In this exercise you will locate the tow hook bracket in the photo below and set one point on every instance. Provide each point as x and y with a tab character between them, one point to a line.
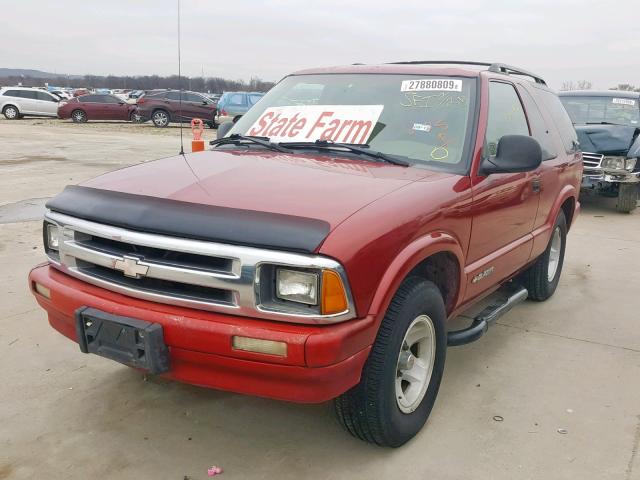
486	317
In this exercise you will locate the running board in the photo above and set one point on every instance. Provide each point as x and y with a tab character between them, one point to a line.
481	322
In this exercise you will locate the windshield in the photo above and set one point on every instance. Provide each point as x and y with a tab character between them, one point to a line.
425	119
584	110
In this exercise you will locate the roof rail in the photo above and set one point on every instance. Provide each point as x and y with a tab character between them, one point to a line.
493	67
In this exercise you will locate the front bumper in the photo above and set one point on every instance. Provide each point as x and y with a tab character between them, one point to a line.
598	178
322	362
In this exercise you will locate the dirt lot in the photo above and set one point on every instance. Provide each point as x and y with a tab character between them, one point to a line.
571	363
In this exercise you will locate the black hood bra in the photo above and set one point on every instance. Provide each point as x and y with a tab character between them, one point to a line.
191	220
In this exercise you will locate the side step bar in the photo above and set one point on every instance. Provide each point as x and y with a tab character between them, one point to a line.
481	323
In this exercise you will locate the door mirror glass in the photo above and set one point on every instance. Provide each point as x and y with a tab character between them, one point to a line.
515	153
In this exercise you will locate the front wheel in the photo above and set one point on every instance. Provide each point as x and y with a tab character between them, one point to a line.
627	197
541	279
78	116
401	377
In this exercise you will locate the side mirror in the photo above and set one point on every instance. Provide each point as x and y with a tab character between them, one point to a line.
204	102
516	153
224	128
120	103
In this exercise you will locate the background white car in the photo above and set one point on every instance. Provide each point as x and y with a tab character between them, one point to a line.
15	102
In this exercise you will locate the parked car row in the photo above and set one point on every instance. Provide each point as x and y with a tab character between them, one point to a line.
161	107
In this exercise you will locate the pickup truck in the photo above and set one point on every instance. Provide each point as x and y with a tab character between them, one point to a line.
318	250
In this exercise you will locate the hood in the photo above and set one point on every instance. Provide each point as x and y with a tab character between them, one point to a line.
609	139
251	198
320	187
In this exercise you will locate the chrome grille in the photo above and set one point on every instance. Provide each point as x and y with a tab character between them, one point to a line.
591	160
178	271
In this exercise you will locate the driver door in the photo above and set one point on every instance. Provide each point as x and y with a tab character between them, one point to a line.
504	204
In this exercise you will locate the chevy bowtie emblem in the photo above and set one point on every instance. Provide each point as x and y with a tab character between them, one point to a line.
131	267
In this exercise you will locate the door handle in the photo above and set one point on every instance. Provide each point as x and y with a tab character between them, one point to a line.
536	184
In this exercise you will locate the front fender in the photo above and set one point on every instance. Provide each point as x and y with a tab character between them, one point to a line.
407	260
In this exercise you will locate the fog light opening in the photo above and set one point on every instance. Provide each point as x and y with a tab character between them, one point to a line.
42	290
258	345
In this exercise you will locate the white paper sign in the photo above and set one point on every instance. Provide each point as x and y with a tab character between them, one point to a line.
624	101
308	123
431	84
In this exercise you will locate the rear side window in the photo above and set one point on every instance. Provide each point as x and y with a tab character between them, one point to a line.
172	96
90	99
539	129
12	93
236	99
506	116
31	94
110	99
552	103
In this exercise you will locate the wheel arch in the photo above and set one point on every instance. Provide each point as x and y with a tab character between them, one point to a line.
437	257
566	201
4	107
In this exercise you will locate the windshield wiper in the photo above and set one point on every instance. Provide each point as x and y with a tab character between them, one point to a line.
359	149
604	123
238	139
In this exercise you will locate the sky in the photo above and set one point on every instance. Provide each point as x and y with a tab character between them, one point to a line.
560	40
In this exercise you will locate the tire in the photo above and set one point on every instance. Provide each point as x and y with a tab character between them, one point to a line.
160	118
78	116
627	197
379	410
11	112
135	118
541	279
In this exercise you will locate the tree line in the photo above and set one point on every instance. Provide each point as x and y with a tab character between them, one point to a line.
146	82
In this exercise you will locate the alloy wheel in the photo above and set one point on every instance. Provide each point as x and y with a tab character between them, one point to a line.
415	364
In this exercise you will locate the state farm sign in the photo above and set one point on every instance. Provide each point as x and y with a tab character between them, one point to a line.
308	123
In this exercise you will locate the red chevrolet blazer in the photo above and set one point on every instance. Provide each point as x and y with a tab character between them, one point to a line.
317	251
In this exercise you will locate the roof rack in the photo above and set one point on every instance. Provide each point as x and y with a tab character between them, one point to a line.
493	67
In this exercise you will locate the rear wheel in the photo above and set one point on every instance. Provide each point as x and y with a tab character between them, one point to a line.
627	197
401	378
11	113
160	118
78	116
541	279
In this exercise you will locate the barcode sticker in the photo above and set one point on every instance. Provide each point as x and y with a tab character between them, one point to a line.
431	84
624	101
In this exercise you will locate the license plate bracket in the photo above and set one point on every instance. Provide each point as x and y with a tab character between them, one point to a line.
130	341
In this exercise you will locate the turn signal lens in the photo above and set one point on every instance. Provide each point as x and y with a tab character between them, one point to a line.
42	290
258	345
334	297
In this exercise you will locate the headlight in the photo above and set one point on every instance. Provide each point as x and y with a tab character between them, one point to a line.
297	286
302	291
630	164
613	163
52	236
